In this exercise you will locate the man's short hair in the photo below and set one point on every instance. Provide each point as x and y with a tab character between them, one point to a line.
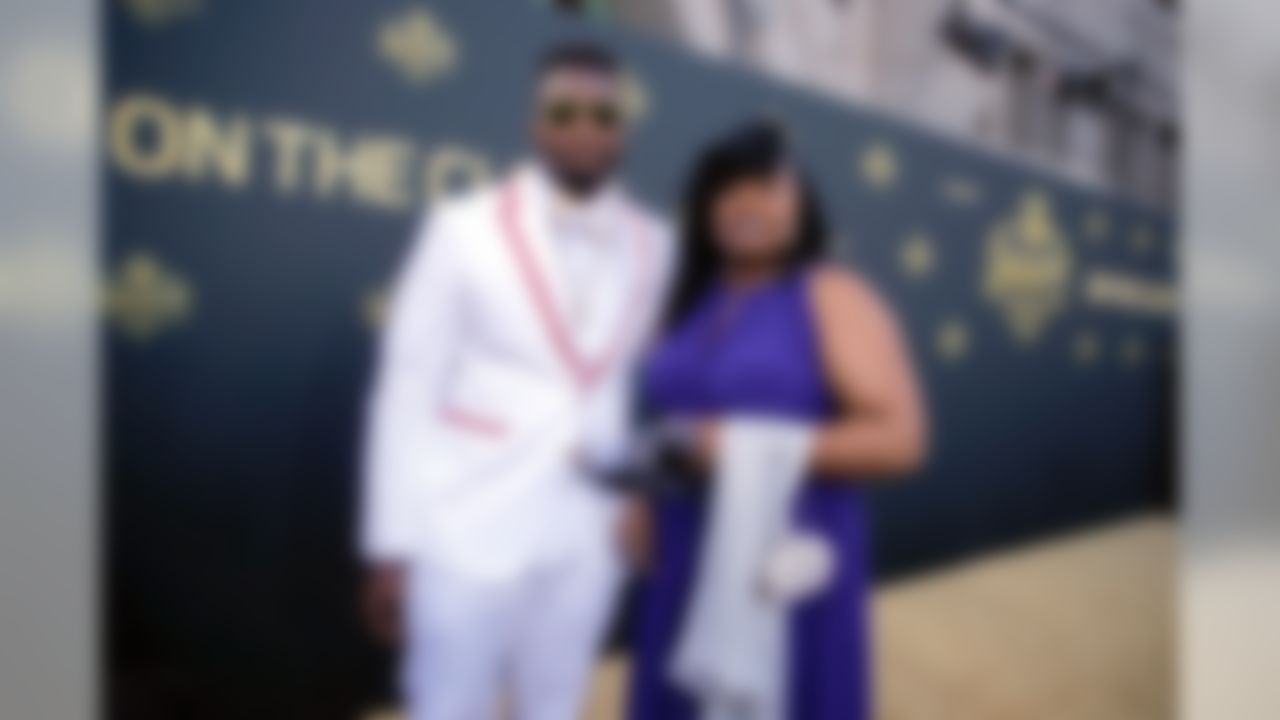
579	55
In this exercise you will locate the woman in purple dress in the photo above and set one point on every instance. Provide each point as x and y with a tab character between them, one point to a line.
759	326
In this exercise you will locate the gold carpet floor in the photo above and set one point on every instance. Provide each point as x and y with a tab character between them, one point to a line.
1075	628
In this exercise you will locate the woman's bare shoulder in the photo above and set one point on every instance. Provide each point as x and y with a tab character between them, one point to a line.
837	291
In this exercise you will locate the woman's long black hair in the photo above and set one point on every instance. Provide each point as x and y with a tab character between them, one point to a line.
756	150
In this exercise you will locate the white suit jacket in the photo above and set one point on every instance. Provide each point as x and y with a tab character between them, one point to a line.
485	397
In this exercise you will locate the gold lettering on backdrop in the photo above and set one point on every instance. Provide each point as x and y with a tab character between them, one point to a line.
220	148
330	165
378	168
1028	268
154	139
1137	295
288	140
145	137
374	169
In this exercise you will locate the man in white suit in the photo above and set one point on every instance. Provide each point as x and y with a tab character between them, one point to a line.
505	369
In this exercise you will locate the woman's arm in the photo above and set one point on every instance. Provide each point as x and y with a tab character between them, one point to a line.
881	429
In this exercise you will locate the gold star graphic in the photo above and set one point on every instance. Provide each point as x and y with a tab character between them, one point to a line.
952	341
879	166
918	258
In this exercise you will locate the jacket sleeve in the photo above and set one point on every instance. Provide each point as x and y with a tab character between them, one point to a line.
417	347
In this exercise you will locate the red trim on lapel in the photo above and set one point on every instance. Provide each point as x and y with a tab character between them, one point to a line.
473	422
586	372
536	283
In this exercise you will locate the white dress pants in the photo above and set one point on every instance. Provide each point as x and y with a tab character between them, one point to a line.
526	644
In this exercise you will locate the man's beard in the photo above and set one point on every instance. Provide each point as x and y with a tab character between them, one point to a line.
579	183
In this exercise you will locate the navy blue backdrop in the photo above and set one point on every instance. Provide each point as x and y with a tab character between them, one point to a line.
265	163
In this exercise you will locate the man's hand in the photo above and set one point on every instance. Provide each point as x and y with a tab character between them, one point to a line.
635	535
706	443
689	444
383	602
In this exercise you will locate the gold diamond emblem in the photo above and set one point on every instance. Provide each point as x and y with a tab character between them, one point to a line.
418	46
145	298
1028	267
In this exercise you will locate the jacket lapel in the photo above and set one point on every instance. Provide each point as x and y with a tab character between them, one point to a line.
524	221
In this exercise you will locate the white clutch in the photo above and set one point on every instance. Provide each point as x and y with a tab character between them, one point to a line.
797	568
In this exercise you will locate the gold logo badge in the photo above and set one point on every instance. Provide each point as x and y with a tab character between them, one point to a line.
145	298
1028	268
418	46
162	12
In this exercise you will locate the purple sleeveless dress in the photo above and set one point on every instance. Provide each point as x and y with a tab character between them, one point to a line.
755	352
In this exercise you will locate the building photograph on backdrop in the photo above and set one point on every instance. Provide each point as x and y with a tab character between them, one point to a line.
644	359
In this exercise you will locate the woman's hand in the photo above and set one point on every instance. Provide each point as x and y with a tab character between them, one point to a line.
636	535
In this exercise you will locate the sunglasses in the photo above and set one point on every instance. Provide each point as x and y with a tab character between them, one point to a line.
567	113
